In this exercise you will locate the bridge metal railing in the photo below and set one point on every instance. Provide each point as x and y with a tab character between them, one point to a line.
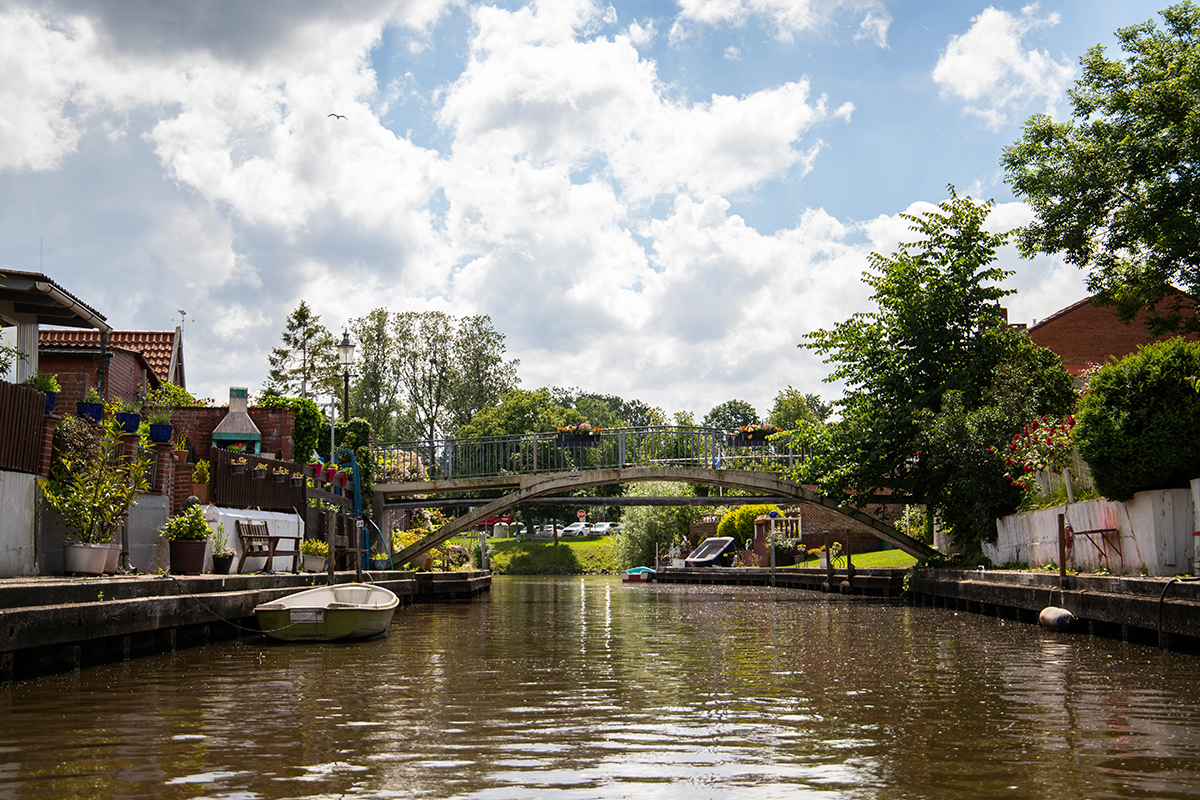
529	454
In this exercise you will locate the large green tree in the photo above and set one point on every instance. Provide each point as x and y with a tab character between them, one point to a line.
932	378
305	363
791	406
521	411
375	393
730	415
481	373
1116	188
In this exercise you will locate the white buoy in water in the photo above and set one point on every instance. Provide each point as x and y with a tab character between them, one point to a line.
1055	618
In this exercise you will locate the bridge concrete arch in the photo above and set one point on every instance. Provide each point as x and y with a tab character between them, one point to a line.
532	487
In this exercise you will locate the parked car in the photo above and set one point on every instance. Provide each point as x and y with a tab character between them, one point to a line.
576	529
605	528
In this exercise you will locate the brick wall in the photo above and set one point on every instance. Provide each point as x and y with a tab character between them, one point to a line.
182	487
49	423
1085	334
198	424
77	373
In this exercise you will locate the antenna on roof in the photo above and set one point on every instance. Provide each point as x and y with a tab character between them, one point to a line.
182	314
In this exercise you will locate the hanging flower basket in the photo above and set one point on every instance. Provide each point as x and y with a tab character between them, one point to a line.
260	473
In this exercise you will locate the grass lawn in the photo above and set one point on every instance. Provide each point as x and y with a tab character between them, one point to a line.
584	555
897	559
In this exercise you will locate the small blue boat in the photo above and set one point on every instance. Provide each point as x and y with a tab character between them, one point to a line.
638	575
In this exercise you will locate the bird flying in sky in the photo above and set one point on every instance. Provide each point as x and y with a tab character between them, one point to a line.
339	116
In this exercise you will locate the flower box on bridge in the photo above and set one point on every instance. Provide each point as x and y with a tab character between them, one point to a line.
576	440
581	434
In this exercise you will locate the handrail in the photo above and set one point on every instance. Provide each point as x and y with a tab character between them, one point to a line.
614	448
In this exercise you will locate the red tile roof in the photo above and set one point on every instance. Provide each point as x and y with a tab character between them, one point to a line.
156	347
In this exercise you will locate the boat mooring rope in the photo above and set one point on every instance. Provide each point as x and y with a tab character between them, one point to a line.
198	602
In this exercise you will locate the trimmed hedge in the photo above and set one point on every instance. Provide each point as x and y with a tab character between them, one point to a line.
1138	424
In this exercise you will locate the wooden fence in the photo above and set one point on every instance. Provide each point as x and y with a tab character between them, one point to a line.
244	490
21	415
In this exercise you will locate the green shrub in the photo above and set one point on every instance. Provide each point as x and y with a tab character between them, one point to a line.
1138	425
74	447
739	522
647	530
307	421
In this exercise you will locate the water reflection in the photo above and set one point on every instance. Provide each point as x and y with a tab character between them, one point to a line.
584	688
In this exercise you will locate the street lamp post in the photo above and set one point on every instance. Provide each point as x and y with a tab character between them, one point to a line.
345	350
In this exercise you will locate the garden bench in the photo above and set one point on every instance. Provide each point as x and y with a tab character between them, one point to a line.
257	541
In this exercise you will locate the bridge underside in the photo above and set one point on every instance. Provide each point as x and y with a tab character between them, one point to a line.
530	487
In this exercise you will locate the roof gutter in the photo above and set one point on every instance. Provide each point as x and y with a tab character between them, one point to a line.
81	310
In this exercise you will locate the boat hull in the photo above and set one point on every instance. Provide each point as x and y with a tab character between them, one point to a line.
329	613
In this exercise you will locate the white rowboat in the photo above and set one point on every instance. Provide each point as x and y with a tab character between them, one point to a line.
329	613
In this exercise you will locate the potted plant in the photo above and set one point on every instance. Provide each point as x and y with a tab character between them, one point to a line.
238	465
259	471
280	474
579	434
315	551
379	560
91	407
94	496
47	384
200	481
297	479
128	416
180	447
160	425
222	553
188	534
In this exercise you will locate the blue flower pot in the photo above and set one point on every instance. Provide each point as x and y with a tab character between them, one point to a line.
160	432
128	423
89	411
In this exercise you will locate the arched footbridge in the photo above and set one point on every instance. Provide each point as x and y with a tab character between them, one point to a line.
527	468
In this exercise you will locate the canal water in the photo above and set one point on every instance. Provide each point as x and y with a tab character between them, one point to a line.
583	688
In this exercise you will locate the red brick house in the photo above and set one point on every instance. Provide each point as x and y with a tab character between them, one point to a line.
136	359
1083	334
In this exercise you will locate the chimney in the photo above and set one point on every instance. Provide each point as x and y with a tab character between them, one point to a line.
237	425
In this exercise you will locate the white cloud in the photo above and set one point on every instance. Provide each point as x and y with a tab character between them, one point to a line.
574	197
786	17
990	70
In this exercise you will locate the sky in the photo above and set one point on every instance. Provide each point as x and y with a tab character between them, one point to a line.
650	199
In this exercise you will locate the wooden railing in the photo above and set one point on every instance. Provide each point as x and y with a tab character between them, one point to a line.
21	413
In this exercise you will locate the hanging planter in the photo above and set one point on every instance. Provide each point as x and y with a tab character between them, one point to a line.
279	477
238	467
297	481
260	473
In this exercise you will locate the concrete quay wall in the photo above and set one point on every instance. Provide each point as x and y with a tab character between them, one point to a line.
61	624
868	582
1117	607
